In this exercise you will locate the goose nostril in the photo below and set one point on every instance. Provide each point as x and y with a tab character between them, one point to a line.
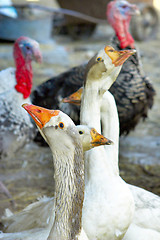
38	111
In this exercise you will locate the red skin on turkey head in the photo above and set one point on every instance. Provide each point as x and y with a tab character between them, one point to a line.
25	50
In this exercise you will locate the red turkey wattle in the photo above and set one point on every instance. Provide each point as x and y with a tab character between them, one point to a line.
120	23
125	38
24	73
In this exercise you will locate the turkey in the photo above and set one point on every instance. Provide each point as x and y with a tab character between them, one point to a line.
133	92
15	87
16	127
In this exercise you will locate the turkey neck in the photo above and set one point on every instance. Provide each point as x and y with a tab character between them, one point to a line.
69	191
23	73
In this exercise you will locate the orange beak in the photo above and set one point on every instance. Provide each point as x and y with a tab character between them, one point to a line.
98	139
74	98
118	57
40	115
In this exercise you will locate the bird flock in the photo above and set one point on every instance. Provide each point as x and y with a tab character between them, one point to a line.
106	98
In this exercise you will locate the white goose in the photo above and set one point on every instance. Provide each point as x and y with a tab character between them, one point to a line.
63	138
38	214
146	219
108	204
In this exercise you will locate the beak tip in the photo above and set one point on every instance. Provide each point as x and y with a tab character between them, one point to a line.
111	143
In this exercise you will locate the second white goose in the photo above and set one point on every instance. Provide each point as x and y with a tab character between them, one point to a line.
108	204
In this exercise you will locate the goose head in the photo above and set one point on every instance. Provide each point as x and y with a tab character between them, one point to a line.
56	127
105	66
90	138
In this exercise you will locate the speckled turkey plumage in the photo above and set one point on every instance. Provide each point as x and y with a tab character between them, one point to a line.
132	91
15	127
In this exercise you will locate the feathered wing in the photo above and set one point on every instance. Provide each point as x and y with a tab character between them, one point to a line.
146	221
35	215
147	208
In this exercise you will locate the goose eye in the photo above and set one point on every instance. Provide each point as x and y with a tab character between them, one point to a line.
61	125
80	132
99	59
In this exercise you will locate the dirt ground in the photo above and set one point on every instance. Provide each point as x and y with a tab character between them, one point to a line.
29	174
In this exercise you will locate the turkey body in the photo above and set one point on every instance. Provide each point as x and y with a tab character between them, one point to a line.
133	92
16	128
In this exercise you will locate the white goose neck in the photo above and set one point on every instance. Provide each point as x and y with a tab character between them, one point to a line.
97	161
97	166
90	110
110	128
